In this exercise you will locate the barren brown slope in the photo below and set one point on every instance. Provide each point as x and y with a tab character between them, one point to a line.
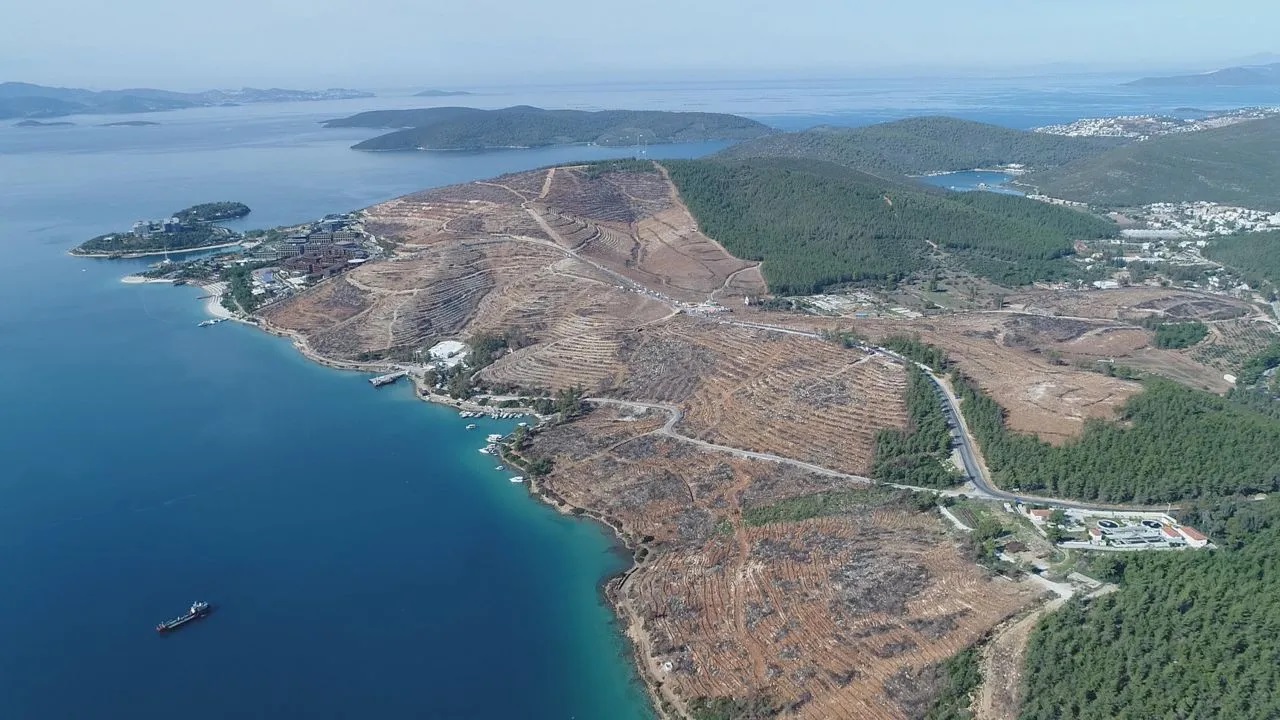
560	253
1035	357
838	616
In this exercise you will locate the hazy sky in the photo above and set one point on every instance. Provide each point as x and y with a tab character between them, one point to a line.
184	44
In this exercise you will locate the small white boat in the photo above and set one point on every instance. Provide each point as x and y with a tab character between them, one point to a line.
494	438
472	426
485	451
518	479
501	467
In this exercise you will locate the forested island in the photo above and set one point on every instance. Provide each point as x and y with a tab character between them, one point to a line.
191	228
458	128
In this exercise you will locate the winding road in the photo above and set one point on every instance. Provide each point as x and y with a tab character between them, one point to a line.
980	485
675	415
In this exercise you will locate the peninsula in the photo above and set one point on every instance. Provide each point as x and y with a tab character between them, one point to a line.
460	128
188	229
1267	75
27	100
878	450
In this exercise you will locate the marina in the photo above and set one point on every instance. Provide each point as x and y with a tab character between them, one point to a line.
495	414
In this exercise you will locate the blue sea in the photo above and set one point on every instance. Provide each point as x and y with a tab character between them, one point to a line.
365	560
970	180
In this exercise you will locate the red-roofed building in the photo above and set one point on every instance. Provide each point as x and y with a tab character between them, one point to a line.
1039	516
1193	536
1171	536
1095	536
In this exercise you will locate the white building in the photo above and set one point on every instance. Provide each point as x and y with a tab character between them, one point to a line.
448	352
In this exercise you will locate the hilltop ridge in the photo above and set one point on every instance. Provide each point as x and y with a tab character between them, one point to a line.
924	144
1235	165
462	128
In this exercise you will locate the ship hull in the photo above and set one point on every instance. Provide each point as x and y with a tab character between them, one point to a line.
179	622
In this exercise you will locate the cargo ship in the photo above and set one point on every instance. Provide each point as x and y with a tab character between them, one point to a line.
198	610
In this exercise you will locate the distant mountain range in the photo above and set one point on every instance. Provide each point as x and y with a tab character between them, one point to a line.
26	100
1244	75
442	93
462	128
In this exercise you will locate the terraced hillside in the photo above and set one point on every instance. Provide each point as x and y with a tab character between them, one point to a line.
842	616
569	256
701	425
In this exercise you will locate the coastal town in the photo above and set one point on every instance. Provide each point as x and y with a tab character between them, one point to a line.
1198	220
1143	127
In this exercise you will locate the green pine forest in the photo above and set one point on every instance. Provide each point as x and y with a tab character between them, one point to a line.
1170	443
816	224
1189	635
1192	635
915	146
915	456
1256	256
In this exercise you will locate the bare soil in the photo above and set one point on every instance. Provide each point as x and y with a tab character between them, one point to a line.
825	616
844	616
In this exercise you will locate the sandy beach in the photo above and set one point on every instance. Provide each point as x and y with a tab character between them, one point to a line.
213	305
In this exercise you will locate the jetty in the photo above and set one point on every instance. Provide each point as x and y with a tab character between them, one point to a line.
386	379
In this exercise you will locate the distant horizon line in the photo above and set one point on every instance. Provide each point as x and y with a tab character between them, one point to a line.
694	76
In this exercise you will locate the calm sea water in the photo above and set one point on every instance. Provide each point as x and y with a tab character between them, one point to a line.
367	562
969	180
